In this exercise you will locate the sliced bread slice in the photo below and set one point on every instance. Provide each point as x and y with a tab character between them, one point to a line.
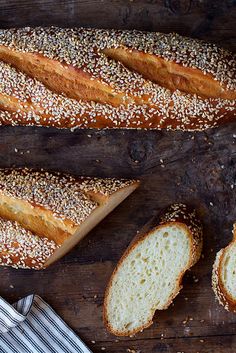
224	275
148	276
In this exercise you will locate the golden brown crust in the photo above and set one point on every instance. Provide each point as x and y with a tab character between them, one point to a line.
182	216
81	48
84	84
20	248
170	74
35	218
218	286
50	206
58	193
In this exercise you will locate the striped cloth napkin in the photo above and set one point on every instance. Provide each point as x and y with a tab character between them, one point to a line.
32	326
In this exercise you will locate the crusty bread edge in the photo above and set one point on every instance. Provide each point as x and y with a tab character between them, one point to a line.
221	293
78	235
195	253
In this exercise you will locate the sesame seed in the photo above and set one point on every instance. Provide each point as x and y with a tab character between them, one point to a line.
65	196
143	103
20	248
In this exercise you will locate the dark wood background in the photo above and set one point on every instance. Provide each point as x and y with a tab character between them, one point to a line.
198	169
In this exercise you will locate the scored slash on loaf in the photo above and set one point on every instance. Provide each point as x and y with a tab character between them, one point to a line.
93	78
148	276
44	214
224	275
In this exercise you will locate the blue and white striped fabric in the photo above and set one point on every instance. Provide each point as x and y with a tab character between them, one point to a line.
32	326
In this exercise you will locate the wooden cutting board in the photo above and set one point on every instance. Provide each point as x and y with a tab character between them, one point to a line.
197	168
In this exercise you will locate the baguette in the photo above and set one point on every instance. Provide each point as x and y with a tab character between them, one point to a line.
148	276
224	275
91	78
43	214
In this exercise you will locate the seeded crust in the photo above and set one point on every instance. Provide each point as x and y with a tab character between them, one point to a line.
114	79
221	293
20	248
40	211
67	197
183	217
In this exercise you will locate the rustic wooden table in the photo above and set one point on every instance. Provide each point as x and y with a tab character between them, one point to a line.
198	168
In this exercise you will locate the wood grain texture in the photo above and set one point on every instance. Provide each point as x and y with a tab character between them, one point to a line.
198	169
213	20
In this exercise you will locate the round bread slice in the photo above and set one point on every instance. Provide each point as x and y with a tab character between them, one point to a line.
224	276
148	276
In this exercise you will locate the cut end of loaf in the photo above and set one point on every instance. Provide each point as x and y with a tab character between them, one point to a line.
106	205
51	209
224	277
147	278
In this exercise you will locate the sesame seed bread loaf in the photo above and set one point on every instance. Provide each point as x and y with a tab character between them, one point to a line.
148	276
224	275
43	214
92	78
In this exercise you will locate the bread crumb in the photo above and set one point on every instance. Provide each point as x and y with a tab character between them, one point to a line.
72	129
16	150
93	342
211	204
161	161
103	349
201	341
